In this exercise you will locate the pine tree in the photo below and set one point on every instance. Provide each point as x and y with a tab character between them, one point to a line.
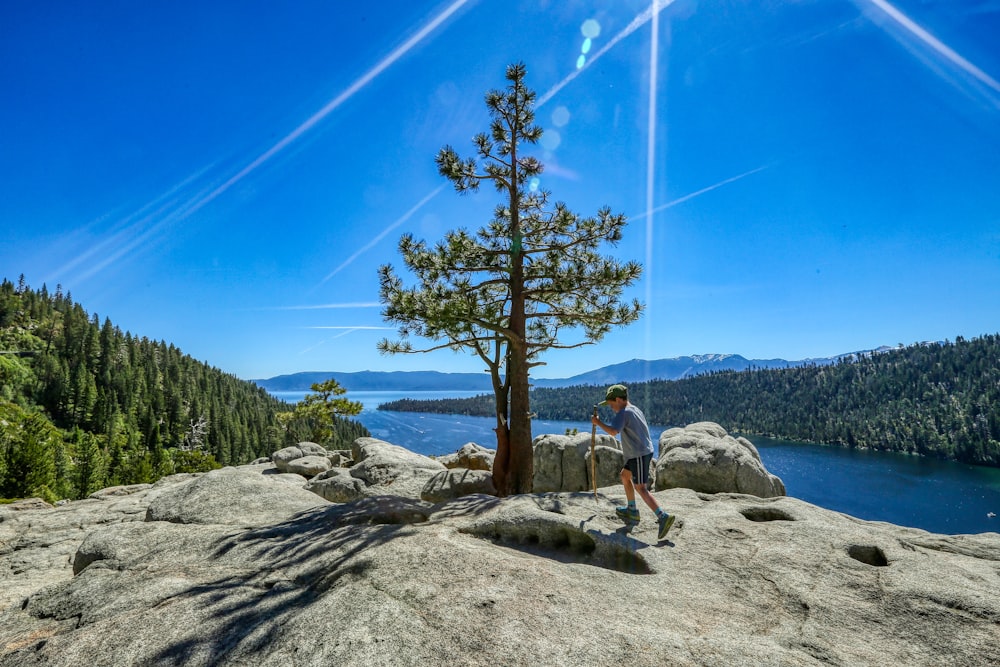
89	472
317	414
31	457
506	292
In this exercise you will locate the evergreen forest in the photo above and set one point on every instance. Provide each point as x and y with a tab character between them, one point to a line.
940	400
85	406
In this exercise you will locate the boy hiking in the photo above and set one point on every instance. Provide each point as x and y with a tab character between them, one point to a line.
637	447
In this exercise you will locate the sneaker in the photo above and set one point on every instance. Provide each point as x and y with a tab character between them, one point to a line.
664	522
630	515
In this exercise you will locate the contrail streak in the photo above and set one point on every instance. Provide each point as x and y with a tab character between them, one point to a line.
698	193
933	42
353	89
171	212
129	228
138	238
348	330
639	21
406	216
329	306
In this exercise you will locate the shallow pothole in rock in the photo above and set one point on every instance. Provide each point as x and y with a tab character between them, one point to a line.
733	533
563	543
762	514
868	555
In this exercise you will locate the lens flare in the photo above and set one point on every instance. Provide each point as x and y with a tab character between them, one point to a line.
560	116
550	140
590	28
639	21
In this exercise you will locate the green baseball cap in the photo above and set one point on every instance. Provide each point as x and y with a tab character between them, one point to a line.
614	391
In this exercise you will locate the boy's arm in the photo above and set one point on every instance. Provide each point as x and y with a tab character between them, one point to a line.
604	427
615	427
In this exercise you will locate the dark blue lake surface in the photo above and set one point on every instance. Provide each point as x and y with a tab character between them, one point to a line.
937	496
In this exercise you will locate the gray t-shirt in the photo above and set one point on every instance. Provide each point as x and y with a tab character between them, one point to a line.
631	425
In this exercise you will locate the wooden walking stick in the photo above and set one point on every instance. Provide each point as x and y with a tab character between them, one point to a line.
593	459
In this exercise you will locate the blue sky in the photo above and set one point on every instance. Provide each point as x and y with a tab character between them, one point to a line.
802	178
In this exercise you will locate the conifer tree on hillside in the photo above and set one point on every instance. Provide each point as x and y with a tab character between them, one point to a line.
507	291
84	405
319	416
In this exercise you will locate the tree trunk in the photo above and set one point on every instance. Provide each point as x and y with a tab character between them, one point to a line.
520	464
521	467
501	463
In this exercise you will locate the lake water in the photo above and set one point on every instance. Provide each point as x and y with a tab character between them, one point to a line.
938	496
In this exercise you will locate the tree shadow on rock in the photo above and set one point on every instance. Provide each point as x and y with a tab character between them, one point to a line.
293	564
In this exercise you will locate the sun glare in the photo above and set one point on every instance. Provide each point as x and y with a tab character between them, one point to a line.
654	57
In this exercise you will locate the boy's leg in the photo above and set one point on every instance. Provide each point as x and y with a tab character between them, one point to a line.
641	478
629	513
626	476
663	520
647	498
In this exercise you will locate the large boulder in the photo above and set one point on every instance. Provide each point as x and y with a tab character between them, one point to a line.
340	458
234	496
704	457
456	482
394	470
562	462
310	466
338	486
283	457
381	468
312	449
471	457
38	541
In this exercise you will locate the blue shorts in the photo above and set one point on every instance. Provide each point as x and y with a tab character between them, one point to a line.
640	469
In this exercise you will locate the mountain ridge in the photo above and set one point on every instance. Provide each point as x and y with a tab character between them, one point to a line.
633	371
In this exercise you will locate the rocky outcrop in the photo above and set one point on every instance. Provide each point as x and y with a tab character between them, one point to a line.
307	459
562	462
383	468
701	456
704	457
380	468
527	580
